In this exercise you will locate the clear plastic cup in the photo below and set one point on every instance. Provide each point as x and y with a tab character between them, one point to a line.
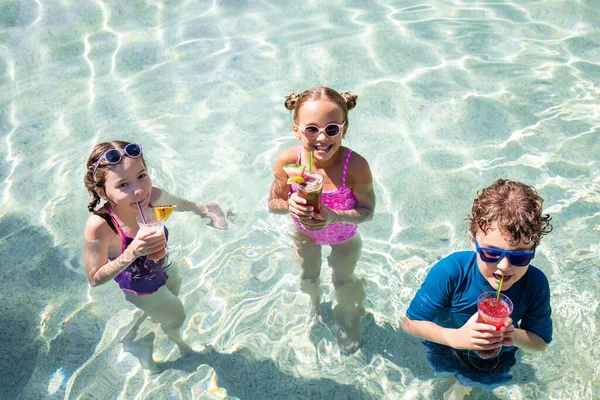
493	313
311	190
152	225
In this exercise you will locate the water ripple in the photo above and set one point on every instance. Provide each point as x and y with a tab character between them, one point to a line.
452	95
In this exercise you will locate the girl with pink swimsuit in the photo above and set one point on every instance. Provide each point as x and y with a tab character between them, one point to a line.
320	123
116	249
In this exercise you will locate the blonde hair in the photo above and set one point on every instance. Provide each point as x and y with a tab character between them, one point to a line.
344	100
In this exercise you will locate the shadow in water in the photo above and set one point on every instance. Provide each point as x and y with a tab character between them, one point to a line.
247	378
32	275
399	347
407	351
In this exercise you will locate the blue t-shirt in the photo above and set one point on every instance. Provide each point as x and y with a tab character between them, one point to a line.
448	296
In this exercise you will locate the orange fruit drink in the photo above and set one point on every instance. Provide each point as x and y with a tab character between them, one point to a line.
162	213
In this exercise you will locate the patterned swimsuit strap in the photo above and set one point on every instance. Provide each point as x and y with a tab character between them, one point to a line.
123	235
346	167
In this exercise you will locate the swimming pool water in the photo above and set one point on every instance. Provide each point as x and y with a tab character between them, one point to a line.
452	95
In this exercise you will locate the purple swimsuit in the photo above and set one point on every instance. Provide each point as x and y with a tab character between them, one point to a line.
140	277
341	199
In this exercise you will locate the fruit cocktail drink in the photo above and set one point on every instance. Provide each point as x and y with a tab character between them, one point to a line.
494	313
311	190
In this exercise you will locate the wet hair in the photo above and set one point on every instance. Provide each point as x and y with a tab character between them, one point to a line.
344	100
92	182
515	209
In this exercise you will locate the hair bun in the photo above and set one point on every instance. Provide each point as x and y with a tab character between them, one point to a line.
291	100
350	99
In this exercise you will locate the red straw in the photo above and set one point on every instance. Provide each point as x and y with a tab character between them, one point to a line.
141	213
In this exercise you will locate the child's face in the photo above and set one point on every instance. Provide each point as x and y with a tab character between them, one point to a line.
320	113
493	272
128	183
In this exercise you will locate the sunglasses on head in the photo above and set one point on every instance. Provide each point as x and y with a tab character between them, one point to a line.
515	257
312	131
114	156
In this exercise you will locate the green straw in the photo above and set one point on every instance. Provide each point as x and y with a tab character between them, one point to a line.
499	288
310	163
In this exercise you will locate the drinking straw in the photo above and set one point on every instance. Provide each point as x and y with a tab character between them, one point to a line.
310	156
141	213
499	288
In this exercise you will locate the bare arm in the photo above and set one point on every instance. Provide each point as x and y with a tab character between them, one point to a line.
475	336
524	339
97	272
361	181
429	331
277	205
208	210
97	237
278	197
528	340
162	197
472	335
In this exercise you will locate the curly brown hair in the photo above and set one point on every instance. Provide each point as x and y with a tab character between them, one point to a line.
515	208
344	100
98	181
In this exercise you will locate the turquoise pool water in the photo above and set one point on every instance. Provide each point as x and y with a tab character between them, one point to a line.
452	95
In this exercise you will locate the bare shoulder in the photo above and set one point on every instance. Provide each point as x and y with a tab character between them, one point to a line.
96	228
359	171
287	156
155	194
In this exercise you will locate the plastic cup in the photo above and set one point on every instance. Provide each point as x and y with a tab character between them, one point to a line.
493	313
311	190
153	225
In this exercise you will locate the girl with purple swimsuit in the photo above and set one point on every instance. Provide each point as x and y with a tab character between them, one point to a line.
115	248
320	118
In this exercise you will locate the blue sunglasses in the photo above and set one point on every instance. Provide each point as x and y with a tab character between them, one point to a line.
515	257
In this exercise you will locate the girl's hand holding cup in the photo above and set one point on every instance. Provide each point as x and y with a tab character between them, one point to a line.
150	240
305	214
299	208
318	221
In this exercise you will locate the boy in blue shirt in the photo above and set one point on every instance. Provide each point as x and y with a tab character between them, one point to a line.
506	225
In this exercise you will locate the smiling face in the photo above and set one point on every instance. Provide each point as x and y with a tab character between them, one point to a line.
493	272
320	113
127	183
